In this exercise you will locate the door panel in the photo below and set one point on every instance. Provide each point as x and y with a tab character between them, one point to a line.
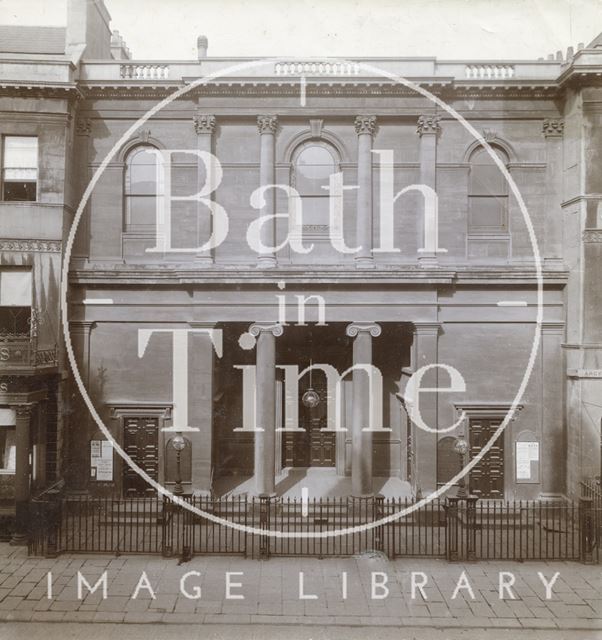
313	447
140	442
487	478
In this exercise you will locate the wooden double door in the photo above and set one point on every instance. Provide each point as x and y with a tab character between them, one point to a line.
313	447
487	477
141	443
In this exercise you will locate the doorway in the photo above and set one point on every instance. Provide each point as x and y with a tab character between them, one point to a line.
141	443
314	447
487	477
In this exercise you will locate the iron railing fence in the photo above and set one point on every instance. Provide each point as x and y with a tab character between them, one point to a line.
591	493
454	528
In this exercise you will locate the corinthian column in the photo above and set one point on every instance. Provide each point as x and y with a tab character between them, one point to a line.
364	127
204	125
22	472
361	440
428	128
552	245
267	130
265	406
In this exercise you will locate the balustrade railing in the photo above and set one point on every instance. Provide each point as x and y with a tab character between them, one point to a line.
317	68
489	71
144	71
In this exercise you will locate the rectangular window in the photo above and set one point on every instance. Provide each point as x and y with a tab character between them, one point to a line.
8	446
19	168
15	301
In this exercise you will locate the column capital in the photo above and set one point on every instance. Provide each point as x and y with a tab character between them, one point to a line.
267	124
24	410
428	125
81	326
356	327
261	327
365	124
83	126
203	123
427	328
552	128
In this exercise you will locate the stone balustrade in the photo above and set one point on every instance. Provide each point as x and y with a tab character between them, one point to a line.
317	68
144	71
490	71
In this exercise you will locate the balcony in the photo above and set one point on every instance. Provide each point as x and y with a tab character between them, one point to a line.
21	354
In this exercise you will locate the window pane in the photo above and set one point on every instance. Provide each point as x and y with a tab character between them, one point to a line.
20	191
15	320
486	180
8	449
15	288
315	211
18	175
313	168
20	152
141	211
315	154
141	175
487	213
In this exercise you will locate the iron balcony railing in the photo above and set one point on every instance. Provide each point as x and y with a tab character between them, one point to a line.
19	351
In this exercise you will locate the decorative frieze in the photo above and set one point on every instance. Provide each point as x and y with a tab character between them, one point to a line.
203	123
552	128
267	124
428	124
365	124
44	246
592	236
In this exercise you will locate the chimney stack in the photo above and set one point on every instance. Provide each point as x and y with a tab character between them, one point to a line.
201	44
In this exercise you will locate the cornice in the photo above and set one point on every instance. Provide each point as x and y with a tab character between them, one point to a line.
184	275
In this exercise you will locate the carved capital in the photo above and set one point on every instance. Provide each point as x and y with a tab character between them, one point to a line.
83	126
24	411
203	123
592	236
552	128
259	327
365	124
428	124
356	327
267	124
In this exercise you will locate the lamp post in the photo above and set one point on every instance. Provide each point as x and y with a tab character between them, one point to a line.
178	443
461	448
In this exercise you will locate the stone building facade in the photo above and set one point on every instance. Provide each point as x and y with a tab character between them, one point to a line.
394	303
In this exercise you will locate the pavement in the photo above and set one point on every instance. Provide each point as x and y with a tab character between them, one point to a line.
272	606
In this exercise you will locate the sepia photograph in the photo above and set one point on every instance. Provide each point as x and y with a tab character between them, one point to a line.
301	319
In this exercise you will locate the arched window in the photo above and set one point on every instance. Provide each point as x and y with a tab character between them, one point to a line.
313	164
141	189
488	194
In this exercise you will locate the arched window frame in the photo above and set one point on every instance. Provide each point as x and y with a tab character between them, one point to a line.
312	230
487	192
128	197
